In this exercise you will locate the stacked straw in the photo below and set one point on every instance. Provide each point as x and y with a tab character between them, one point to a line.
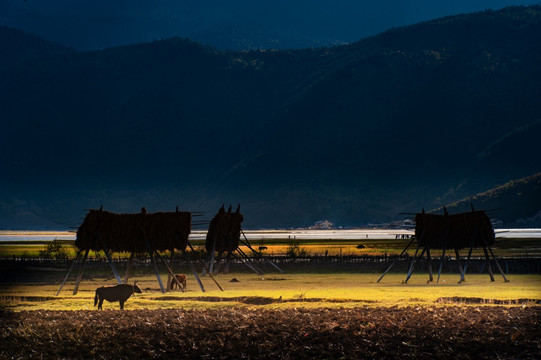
461	230
128	232
224	228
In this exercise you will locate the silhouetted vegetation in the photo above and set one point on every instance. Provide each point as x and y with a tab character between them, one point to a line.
54	250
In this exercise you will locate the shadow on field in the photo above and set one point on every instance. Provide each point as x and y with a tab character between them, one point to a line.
257	300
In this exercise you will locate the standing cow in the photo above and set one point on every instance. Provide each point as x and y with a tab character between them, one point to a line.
179	279
120	293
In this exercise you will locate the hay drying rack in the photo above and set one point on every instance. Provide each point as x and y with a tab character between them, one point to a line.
135	233
152	232
458	231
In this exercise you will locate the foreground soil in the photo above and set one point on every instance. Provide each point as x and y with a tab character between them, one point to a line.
443	332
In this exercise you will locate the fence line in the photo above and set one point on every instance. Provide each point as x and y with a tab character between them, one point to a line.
363	263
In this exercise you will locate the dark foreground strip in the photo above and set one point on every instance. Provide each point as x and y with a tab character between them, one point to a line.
438	332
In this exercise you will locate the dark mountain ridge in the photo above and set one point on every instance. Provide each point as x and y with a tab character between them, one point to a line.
416	116
18	46
232	24
515	203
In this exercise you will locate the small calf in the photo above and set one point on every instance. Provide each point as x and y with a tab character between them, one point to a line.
181	278
120	293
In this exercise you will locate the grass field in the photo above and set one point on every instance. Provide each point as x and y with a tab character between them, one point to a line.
297	315
284	291
310	247
307	288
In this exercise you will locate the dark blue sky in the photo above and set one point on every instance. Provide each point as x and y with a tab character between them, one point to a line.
94	24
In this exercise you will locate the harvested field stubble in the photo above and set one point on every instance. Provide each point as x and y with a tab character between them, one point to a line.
410	332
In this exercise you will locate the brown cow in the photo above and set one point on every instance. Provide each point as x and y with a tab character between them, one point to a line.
181	278
120	293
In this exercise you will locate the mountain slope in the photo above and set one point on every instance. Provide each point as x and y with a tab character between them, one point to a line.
415	117
409	111
517	203
19	48
232	24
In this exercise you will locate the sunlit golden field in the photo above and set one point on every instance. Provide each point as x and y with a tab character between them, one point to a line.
315	247
307	286
324	309
281	291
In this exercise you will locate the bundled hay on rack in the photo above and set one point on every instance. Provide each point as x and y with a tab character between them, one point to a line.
129	232
458	231
224	231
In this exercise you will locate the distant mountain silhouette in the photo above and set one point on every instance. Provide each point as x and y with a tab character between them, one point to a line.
418	116
515	204
19	47
231	24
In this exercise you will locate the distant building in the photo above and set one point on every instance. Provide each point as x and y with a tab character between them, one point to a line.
322	225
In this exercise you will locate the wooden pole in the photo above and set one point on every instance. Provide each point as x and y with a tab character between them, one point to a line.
128	268
169	288
256	254
80	276
227	262
468	259
150	253
429	258
497	264
489	267
109	259
218	262
410	270
204	266
247	243
69	271
192	268
399	256
483	266
168	269
248	261
276	266
211	265
460	268
442	260
445	243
